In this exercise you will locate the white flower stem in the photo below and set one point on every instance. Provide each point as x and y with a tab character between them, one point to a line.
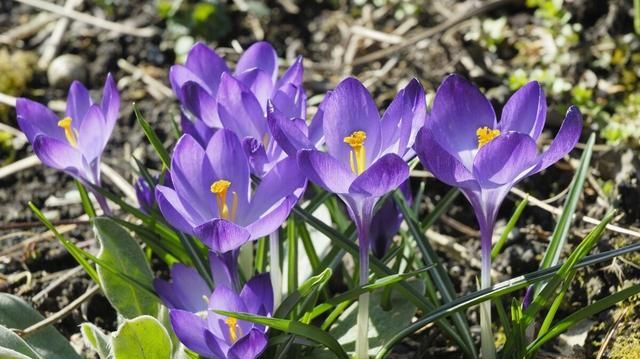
362	342
276	270
488	346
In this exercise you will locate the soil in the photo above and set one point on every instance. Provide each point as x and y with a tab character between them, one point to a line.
320	32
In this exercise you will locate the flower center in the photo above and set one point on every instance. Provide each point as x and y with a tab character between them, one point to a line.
65	123
357	156
234	329
486	135
220	189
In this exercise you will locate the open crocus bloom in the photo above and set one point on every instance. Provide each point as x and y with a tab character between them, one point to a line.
73	143
209	91
464	146
212	198
191	310
364	158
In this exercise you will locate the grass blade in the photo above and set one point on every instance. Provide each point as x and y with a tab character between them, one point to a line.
153	138
86	201
497	248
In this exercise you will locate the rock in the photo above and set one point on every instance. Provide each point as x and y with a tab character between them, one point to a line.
66	68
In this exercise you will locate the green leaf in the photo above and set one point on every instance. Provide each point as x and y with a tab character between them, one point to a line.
581	314
303	291
47	342
153	138
509	227
382	324
293	327
86	201
122	253
14	346
141	338
97	340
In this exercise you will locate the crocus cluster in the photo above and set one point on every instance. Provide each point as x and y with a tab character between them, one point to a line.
247	152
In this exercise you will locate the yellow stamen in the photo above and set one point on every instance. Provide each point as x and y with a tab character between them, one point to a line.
486	135
357	156
65	123
234	329
220	188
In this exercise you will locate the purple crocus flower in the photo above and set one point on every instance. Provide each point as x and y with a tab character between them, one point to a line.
364	159
75	142
463	145
145	191
216	98
212	197
386	222
191	310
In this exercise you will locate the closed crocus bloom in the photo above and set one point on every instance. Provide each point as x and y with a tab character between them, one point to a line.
73	143
463	145
212	197
364	159
386	222
217	98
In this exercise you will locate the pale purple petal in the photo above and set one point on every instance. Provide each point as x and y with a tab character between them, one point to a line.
201	104
272	219
565	140
459	110
62	156
78	102
325	171
92	134
34	118
190	329
250	346
525	112
290	134
291	101
293	75
350	108
505	160
207	65
403	118
442	164
259	83
220	270
384	175
260	55
257	295
180	215
110	104
257	156
187	290
218	345
222	236
196	129
225	299
239	110
179	75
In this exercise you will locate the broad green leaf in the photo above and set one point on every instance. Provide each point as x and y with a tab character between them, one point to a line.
47	342
6	353
122	253
141	338
97	340
14	345
293	327
382	324
303	291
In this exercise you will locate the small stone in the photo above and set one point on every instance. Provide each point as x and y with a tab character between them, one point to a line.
66	68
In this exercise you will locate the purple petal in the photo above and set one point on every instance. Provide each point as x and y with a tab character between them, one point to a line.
403	118
178	214
225	299
284	179
290	134
221	272
218	345
565	140
383	176
192	176
291	101
110	104
207	65
442	164
196	129
186	291
201	104
92	135
459	110
525	111
325	171
260	55
179	75
239	110
62	156
78	102
257	155
229	162
250	346
272	219
34	118
259	83
222	236
316	127
190	329
505	160
257	294
341	119
293	75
